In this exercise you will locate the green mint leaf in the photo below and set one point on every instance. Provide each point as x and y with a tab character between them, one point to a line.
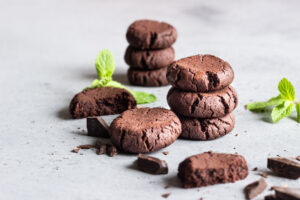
115	84
144	97
260	105
105	64
99	83
140	97
298	112
286	89
282	110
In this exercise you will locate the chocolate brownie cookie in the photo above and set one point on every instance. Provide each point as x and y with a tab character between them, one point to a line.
143	130
149	59
101	101
155	77
206	129
150	34
212	168
200	73
203	105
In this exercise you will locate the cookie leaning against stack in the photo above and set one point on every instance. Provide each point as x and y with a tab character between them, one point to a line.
150	52
202	96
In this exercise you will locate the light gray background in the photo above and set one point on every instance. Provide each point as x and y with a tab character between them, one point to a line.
47	53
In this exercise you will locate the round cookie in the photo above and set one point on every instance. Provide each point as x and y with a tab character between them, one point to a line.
203	105
143	130
151	34
206	129
155	77
149	59
200	73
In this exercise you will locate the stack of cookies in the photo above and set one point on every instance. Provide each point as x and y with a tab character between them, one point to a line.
202	97
149	52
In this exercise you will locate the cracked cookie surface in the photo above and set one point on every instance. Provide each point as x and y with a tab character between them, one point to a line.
156	77
203	105
206	129
143	130
200	73
151	34
149	59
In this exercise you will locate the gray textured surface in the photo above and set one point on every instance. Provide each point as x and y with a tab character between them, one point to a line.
47	52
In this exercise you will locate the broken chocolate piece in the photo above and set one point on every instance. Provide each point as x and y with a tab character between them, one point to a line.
254	189
97	127
285	167
152	165
111	150
284	193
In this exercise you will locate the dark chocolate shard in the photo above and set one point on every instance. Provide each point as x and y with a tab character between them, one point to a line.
112	150
289	168
285	193
97	127
254	189
152	165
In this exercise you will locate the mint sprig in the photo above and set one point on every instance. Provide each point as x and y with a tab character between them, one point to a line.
105	66
283	103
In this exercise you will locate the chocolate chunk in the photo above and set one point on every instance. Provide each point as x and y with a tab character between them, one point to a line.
166	195
152	165
285	167
101	101
111	150
212	168
97	127
284	193
254	189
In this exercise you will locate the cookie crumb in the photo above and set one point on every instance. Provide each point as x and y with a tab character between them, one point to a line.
165	152
263	174
76	150
255	169
298	158
166	195
236	134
